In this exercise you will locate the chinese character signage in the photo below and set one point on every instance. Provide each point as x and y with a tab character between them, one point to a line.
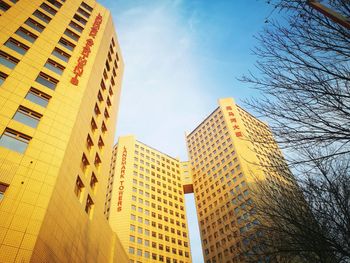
82	60
233	121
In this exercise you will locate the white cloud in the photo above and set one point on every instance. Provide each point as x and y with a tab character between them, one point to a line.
162	93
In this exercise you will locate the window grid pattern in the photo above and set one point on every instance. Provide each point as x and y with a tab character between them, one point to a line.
157	205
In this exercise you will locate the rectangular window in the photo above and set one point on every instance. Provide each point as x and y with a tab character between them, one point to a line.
27	117
79	187
71	35
46	80
93	182
83	13
3	77
27	35
54	66
3	188
76	27
80	19
48	9
84	163
87	7
89	142
35	25
65	43
42	16
4	6
93	125
89	205
61	54
97	110
55	3
8	60
14	140
38	97
16	46
100	143
103	127
97	161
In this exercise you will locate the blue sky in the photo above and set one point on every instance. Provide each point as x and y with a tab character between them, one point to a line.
180	57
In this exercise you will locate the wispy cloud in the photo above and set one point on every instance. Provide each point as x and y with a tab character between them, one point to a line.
162	91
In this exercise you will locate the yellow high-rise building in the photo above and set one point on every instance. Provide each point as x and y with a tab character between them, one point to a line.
60	79
227	159
145	203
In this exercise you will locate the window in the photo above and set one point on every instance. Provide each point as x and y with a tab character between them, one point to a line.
55	3
38	97
27	35
8	60
93	125
48	9
4	6
76	26
97	161
46	80
14	140
3	188
27	117
132	238
89	205
93	182
84	163
71	35
100	143
65	43
54	66
87	7
83	12
80	19
3	77
16	46
79	187
35	25
139	252
131	250
61	54
97	110
103	127
42	16
146	254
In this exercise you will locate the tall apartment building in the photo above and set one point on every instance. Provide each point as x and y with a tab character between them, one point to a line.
145	203
60	77
227	159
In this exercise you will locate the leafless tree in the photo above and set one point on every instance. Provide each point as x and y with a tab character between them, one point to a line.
304	80
304	77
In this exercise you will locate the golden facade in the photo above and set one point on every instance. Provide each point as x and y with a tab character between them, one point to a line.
145	203
226	162
60	77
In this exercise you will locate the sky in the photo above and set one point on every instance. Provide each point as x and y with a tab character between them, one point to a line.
180	57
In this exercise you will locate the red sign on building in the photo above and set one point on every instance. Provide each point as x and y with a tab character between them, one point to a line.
82	60
122	180
233	120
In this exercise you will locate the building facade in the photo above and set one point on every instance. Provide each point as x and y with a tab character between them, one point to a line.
60	77
145	203
227	159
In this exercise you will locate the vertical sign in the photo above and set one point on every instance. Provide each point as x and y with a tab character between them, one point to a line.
82	60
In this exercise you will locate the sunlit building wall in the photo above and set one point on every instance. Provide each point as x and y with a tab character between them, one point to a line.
227	159
60	79
145	203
